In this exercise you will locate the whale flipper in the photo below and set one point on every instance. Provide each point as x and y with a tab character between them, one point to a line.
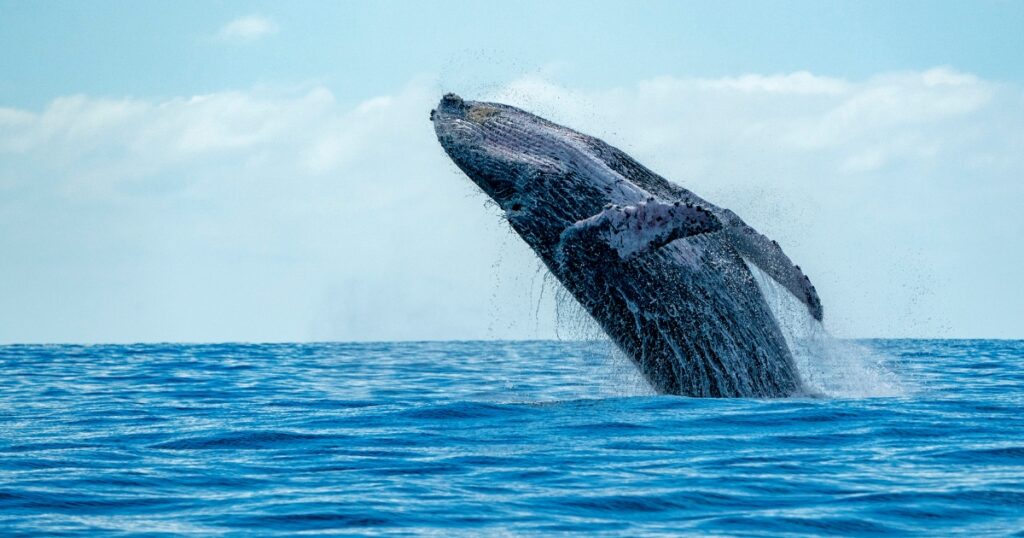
767	255
751	245
635	229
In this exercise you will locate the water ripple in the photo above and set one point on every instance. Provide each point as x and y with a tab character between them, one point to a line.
471	438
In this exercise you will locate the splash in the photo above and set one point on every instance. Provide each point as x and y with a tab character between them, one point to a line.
614	373
827	366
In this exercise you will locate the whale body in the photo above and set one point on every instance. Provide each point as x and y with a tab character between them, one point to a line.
662	271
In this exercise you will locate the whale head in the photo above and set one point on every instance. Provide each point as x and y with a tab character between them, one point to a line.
543	176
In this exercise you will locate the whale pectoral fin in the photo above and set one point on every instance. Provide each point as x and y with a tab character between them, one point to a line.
767	255
633	230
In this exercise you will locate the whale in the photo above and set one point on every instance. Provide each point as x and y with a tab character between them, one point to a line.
666	274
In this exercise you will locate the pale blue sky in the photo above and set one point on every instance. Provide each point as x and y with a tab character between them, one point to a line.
370	48
208	171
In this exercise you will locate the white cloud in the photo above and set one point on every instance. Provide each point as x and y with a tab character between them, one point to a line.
284	216
248	28
800	82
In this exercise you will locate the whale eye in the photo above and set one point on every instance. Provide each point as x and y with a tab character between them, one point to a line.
517	207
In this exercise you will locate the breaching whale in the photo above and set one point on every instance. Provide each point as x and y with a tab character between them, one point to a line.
663	271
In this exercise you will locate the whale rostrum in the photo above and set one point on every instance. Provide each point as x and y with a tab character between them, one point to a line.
662	271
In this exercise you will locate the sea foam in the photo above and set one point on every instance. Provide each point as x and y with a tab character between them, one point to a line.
828	367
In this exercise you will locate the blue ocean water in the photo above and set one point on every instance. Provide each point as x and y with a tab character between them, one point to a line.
485	438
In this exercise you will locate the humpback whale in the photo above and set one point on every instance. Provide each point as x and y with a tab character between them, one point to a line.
663	272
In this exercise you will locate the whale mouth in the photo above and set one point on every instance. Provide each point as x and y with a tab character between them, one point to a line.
467	132
507	152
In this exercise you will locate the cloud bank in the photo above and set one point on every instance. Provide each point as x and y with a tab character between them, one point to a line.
290	215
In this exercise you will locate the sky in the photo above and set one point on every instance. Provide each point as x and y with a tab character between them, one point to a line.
260	171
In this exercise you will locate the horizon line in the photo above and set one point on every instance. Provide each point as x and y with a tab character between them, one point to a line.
436	341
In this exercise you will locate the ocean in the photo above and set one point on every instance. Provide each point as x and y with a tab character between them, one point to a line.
907	437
